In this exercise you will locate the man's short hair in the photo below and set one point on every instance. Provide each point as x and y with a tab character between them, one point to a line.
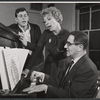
81	38
19	10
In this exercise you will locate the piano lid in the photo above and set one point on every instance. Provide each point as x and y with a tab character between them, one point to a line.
6	32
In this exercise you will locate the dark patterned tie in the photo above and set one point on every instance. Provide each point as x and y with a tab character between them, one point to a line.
66	72
69	67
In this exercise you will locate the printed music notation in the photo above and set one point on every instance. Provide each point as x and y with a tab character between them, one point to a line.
12	62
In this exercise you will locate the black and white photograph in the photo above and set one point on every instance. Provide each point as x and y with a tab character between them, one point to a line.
50	50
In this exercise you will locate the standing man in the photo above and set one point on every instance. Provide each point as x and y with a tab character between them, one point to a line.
78	81
29	34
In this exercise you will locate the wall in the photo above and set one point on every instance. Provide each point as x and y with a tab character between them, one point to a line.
68	12
7	11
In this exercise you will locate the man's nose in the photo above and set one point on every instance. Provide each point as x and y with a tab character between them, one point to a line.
23	17
66	46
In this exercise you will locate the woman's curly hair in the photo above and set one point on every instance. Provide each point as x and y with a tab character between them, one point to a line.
54	12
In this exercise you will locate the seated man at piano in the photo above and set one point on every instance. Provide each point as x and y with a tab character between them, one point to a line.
79	80
29	34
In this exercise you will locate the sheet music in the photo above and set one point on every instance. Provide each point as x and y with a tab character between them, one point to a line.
3	71
12	64
22	55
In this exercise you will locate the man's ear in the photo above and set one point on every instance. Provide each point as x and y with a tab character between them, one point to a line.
16	20
80	47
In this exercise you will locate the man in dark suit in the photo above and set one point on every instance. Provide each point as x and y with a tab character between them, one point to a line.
77	82
29	34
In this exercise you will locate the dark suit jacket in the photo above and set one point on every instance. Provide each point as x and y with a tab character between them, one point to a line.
35	33
80	82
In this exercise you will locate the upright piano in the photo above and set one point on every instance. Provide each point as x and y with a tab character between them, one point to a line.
9	38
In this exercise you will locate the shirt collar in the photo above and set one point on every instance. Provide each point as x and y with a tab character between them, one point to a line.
28	28
76	59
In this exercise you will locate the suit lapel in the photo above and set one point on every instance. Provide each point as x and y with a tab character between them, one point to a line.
32	32
77	65
18	29
74	69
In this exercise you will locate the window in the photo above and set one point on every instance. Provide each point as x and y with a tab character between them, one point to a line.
36	6
89	21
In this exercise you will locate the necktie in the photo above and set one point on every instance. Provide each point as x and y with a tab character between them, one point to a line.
69	67
66	73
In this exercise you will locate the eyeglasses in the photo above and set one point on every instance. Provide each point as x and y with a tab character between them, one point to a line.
69	44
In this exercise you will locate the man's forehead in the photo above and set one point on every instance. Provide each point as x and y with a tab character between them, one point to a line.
22	12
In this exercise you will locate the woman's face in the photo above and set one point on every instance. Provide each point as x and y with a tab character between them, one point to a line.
50	22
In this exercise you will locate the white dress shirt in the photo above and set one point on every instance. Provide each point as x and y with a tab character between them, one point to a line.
27	35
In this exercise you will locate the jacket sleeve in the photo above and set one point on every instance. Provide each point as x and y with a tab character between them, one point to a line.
77	88
36	34
34	57
37	52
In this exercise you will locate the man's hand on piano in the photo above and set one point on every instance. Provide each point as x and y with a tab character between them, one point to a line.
37	76
36	88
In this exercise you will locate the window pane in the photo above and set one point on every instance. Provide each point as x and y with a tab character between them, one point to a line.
96	7
84	10
36	6
84	21
94	42
95	20
95	57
